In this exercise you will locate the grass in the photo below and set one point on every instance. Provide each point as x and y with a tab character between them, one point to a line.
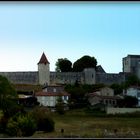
80	124
77	123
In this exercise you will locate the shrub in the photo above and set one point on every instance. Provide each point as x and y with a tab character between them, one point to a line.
12	127
60	108
43	119
13	109
46	124
27	125
3	123
21	125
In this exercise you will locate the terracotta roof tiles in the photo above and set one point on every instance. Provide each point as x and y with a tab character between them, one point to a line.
41	93
43	59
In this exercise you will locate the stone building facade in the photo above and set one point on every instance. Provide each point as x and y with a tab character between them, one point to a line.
89	76
131	64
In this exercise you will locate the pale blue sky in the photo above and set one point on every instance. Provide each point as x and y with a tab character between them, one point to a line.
108	31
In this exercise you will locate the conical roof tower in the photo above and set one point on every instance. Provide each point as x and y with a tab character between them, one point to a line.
44	70
43	59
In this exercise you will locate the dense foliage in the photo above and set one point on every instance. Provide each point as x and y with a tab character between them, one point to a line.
77	94
60	106
132	80
84	62
128	101
118	88
63	65
8	97
43	119
21	125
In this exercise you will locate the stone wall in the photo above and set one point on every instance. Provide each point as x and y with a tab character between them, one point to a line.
112	110
109	78
66	77
21	77
63	77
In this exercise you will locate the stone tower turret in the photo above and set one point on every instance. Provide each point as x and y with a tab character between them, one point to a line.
44	70
90	76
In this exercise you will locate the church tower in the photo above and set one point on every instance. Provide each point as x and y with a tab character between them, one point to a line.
44	70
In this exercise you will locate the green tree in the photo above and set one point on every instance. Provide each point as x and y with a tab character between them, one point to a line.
8	96
60	106
77	95
84	62
44	119
130	101
63	65
132	80
118	89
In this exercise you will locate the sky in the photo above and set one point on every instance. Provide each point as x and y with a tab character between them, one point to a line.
108	31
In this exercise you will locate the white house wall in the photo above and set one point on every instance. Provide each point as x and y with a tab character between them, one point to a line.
50	100
135	93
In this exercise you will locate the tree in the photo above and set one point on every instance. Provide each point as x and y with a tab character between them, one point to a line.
8	96
77	96
132	80
60	106
63	65
118	89
130	101
84	62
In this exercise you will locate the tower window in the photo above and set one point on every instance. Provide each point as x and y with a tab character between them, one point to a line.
54	90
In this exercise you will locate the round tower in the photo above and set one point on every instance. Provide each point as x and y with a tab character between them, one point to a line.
44	70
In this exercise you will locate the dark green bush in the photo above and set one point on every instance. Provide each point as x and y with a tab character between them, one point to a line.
46	124
13	108
21	125
27	125
43	119
60	108
12	127
3	123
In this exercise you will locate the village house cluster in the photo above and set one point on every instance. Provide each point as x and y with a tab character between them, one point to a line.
27	83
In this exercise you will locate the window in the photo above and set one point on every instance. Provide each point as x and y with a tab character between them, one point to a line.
45	89
106	101
138	94
54	90
65	97
113	102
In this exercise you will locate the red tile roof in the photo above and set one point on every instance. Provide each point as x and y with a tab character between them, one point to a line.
25	87
43	59
103	97
41	93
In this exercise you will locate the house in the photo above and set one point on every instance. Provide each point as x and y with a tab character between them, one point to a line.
49	95
25	92
105	91
103	96
133	91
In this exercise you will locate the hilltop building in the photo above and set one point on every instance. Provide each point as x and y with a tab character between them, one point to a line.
131	64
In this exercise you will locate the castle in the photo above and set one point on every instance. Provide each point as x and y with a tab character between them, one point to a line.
131	64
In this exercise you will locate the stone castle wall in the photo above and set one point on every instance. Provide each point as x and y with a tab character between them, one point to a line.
109	78
62	77
66	77
21	77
